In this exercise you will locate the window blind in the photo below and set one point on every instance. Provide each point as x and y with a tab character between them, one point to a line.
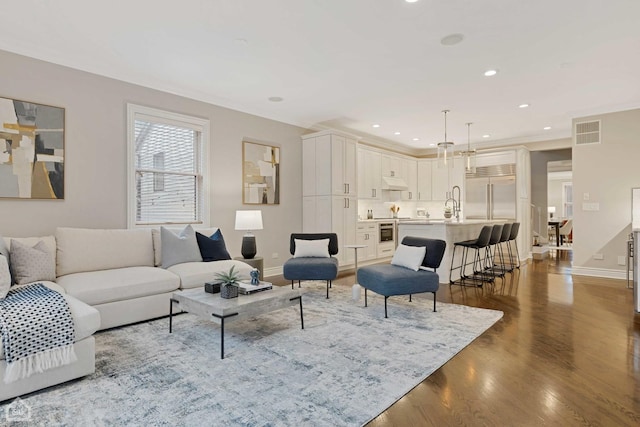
168	177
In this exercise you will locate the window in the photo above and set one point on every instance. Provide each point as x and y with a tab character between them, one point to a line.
168	158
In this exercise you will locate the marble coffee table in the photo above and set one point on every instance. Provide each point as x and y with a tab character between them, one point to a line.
221	310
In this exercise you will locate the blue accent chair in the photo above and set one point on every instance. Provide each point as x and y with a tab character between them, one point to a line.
312	268
389	280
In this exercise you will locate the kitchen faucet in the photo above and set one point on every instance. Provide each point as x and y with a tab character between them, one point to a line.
457	206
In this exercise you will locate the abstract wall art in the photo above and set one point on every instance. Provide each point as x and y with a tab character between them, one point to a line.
260	174
31	150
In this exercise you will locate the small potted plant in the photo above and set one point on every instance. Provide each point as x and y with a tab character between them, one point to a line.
228	283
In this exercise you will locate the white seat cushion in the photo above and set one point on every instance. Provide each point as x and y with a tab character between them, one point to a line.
86	319
104	286
194	274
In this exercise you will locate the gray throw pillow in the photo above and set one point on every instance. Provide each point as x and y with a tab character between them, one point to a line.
179	248
31	264
5	277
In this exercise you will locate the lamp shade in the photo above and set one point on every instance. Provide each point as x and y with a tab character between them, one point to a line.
248	220
445	148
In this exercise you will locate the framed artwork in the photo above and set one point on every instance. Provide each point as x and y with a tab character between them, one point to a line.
260	174
31	150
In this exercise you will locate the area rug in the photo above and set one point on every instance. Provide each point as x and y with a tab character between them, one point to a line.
347	366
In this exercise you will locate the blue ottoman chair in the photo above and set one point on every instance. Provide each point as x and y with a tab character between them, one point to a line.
312	267
389	280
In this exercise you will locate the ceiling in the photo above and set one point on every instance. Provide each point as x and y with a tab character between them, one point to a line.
351	64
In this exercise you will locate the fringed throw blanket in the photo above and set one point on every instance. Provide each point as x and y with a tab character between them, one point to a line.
37	331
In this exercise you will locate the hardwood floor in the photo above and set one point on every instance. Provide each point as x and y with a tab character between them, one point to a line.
566	352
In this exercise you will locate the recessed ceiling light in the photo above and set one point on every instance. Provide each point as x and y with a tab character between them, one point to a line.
490	73
376	126
276	99
486	136
451	39
432	145
546	127
411	1
416	139
396	133
523	105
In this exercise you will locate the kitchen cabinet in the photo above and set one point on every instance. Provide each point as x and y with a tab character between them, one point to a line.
343	166
444	179
332	214
344	216
367	234
424	180
330	188
369	174
386	249
328	165
409	172
391	165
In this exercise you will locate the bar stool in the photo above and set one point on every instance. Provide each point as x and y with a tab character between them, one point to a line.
491	250
504	238
478	266
515	227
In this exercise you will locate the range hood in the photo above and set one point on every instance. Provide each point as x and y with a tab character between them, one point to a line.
394	183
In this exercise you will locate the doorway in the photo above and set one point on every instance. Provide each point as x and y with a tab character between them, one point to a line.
560	205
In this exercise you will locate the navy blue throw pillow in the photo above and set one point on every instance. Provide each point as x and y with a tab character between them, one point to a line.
212	248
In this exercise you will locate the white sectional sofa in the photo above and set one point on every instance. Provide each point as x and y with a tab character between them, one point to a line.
110	278
86	321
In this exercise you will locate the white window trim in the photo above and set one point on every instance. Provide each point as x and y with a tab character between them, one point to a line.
201	125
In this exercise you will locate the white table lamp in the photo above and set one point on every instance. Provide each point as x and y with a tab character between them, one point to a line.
248	221
551	210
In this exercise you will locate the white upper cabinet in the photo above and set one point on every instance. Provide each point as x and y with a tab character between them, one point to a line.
443	179
391	165
439	182
369	174
424	180
343	166
409	172
329	165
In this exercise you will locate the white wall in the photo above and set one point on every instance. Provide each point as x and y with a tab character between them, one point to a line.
95	162
606	172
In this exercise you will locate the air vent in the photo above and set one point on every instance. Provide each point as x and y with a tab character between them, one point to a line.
587	133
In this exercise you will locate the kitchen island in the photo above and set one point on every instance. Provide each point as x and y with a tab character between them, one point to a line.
450	231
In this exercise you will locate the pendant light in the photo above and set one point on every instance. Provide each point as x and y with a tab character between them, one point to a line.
469	156
445	148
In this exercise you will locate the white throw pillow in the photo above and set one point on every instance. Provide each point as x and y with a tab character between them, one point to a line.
5	277
409	256
311	248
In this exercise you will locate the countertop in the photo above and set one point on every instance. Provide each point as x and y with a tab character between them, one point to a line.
450	222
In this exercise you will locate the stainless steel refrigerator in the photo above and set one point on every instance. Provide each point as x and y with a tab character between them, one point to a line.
490	193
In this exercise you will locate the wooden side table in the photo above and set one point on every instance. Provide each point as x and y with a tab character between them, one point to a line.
255	262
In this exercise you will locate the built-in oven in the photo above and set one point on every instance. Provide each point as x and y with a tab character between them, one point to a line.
386	231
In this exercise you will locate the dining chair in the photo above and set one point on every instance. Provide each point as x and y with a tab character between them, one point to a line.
565	231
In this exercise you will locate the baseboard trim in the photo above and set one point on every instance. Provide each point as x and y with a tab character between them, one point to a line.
272	271
599	272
